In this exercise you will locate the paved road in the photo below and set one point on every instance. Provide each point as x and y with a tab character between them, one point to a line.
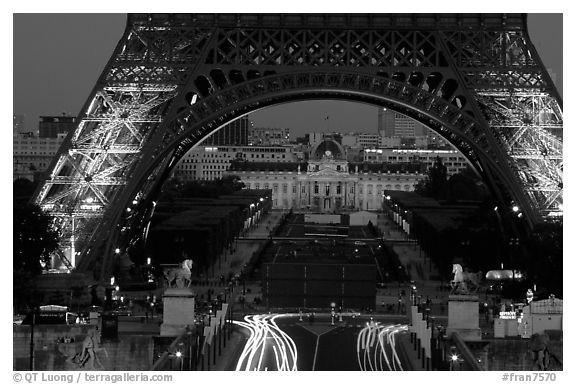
284	342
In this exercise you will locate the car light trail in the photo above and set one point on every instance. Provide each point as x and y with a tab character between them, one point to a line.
266	336
372	345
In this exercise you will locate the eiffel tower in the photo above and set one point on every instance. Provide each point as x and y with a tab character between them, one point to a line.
476	79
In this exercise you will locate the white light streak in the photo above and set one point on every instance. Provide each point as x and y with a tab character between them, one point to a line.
376	347
266	336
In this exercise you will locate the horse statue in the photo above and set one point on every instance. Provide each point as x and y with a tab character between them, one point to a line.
181	277
464	282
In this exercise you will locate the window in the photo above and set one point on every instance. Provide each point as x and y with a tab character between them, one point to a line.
303	189
327	188
315	187
284	188
294	188
339	189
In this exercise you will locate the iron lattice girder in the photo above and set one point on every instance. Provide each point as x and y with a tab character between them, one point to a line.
342	47
530	126
200	118
432	67
127	105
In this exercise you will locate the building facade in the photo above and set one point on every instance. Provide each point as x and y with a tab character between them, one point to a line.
52	126
454	161
234	133
32	155
18	124
327	182
268	136
392	123
211	162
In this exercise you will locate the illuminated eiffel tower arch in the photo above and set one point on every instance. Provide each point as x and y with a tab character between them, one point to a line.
476	79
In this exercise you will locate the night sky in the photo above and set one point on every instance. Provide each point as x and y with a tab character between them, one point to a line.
58	58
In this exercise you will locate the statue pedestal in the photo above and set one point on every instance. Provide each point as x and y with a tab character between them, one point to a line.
178	311
463	317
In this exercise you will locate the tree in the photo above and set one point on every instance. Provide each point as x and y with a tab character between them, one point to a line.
202	189
545	257
436	183
34	239
23	190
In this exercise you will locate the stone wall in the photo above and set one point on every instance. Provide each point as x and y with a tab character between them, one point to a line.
513	354
55	345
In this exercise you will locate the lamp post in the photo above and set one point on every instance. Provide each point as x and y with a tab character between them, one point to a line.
32	339
179	358
453	358
332	312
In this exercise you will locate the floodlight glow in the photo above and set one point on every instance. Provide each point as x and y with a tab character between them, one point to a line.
515	208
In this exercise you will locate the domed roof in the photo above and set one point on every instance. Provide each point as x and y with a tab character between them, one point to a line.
329	148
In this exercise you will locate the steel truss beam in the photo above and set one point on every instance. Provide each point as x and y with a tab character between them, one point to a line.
173	79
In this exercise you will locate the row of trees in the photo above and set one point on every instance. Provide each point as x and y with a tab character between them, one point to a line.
174	188
465	185
484	239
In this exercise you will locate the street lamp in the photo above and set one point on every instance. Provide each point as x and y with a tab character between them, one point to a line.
453	361
453	358
178	355
332	312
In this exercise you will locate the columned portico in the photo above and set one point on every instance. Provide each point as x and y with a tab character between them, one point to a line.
328	181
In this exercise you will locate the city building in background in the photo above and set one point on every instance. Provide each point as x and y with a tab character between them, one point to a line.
234	133
33	150
452	159
327	182
52	126
31	155
268	136
391	123
18	124
210	162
